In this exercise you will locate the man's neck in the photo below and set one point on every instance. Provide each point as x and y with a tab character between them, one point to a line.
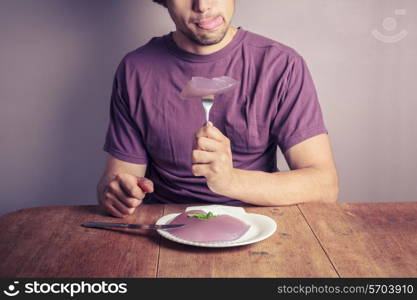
186	44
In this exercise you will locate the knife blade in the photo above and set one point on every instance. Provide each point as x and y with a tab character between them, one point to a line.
130	226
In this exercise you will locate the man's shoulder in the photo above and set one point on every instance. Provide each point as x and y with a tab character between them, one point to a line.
148	53
266	44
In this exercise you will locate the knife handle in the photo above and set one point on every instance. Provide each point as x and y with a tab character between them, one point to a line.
103	224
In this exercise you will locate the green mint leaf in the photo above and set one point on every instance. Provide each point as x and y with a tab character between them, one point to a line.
198	216
202	216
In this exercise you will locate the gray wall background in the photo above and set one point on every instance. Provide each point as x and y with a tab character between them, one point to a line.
58	58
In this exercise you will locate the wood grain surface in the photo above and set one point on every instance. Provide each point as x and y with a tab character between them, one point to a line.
49	242
312	240
367	239
292	251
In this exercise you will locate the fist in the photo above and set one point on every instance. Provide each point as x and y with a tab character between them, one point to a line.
212	159
124	193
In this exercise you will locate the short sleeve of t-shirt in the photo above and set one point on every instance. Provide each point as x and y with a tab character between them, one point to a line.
124	139
299	115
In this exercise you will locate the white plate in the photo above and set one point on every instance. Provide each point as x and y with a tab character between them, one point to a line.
261	227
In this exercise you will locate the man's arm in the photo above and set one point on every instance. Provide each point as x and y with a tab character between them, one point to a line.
122	187
312	177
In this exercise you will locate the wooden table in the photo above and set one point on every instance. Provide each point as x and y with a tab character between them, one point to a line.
312	240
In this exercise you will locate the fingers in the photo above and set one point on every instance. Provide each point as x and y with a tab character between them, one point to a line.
123	209
115	189
145	184
112	202
125	193
207	144
202	157
201	161
129	185
200	169
114	212
213	152
108	207
212	132
206	170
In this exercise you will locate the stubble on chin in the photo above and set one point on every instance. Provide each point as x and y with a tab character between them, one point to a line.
208	38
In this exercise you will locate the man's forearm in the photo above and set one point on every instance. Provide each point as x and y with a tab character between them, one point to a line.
283	188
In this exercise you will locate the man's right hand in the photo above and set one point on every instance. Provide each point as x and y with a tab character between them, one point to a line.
124	193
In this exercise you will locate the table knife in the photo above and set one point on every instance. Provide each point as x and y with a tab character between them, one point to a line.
131	226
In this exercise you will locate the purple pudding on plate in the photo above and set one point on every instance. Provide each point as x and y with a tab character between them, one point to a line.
205	227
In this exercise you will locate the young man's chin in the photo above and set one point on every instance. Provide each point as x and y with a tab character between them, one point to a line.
209	38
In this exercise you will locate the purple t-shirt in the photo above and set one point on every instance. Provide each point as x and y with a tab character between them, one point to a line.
274	105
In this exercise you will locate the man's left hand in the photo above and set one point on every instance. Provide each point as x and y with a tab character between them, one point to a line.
212	159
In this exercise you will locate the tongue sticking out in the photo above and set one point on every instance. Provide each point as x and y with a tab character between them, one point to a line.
206	89
211	24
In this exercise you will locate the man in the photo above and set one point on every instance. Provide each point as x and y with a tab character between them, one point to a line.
161	147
